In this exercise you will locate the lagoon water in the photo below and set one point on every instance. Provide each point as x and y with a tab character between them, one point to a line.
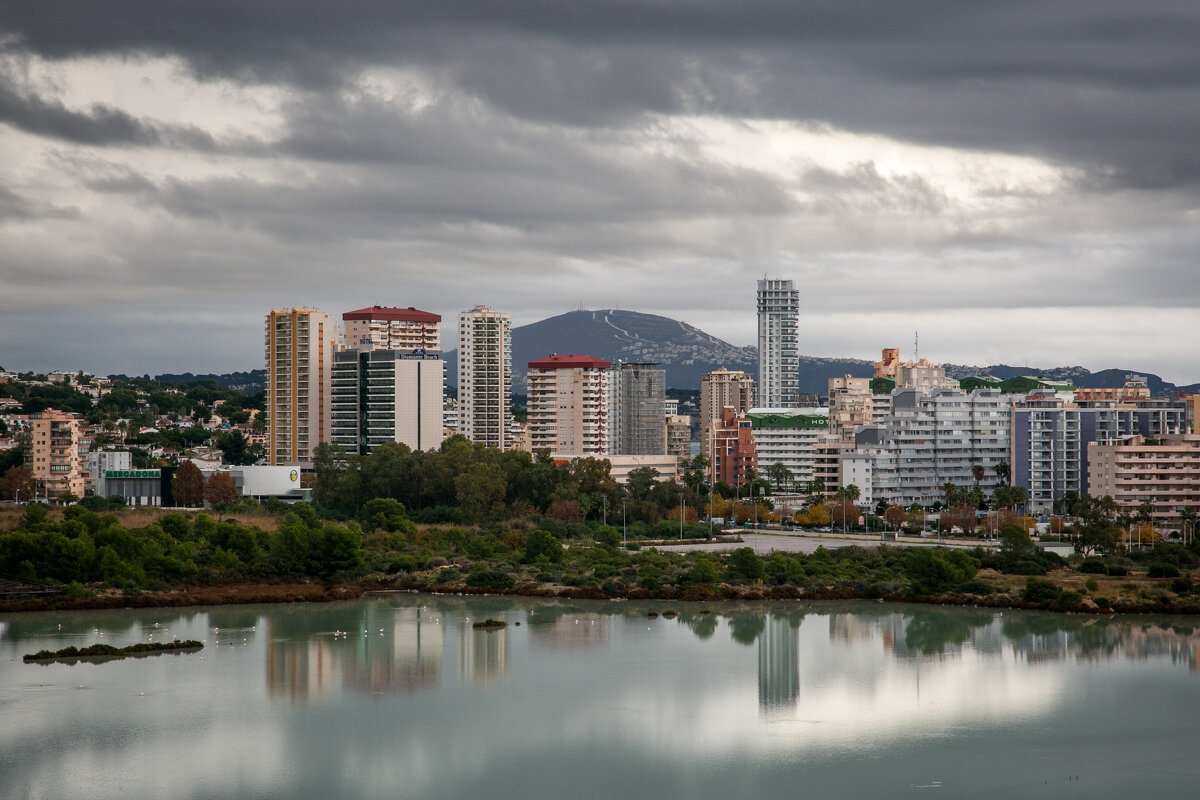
592	699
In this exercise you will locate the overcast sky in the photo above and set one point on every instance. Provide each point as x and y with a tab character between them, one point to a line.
1019	181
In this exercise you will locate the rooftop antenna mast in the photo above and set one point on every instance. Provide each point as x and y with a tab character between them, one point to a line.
916	345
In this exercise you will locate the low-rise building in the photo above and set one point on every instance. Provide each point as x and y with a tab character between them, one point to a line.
99	462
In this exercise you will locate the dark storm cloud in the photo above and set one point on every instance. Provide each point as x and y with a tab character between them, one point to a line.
100	125
1113	86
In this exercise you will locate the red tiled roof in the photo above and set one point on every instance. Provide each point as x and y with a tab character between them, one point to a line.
409	314
569	362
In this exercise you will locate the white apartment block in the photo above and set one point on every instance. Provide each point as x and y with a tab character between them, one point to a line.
300	343
568	412
778	349
933	438
485	376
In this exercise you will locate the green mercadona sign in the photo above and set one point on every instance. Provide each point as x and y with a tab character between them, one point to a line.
114	474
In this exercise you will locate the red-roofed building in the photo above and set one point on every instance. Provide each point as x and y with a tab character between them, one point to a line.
387	328
567	408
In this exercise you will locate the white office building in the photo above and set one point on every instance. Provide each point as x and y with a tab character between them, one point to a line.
381	396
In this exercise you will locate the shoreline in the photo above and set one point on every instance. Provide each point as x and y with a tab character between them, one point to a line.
316	592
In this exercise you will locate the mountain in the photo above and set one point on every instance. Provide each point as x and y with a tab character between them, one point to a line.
687	353
617	335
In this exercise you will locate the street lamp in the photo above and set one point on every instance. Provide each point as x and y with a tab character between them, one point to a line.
681	510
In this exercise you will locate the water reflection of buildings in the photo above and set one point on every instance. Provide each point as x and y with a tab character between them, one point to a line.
779	667
482	655
385	650
572	629
1032	637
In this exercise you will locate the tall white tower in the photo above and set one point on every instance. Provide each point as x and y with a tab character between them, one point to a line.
778	357
485	376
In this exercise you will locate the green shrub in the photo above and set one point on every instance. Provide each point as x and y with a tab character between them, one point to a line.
1162	570
1094	566
491	579
1024	566
978	587
1092	584
1039	591
1117	570
1182	585
931	570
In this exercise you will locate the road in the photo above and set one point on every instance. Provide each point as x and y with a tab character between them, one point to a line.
764	542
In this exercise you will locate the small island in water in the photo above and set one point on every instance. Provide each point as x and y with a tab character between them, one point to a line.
108	652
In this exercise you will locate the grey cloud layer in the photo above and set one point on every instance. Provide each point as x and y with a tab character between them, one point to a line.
1103	84
531	147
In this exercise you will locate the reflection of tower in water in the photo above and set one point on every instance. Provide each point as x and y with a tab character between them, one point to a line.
407	656
779	667
482	654
365	648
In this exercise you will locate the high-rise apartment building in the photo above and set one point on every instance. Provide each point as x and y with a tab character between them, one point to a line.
300	343
53	453
637	406
1164	472
385	328
778	350
485	376
381	396
721	388
567	409
935	437
1051	435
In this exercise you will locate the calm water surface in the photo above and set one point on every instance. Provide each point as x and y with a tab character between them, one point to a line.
602	700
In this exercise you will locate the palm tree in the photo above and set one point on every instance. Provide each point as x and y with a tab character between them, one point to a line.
779	474
978	472
1187	522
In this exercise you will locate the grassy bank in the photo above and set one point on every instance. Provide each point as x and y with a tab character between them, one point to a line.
177	559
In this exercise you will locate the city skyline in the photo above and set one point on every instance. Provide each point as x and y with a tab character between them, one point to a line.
1018	183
